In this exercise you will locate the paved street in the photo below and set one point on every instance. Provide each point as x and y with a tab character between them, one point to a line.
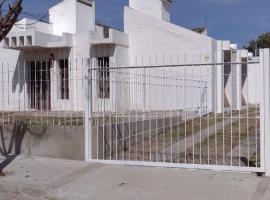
44	178
8	196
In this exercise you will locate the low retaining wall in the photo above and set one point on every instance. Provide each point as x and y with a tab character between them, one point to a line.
69	142
50	141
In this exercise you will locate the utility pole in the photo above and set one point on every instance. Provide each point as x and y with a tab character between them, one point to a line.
7	21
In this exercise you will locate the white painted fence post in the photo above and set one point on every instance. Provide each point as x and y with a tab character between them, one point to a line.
88	110
265	109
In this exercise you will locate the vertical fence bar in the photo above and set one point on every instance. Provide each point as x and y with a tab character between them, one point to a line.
265	109
248	118
257	110
3	94
88	111
185	104
8	97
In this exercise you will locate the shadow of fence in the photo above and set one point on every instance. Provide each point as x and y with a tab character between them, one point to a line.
10	149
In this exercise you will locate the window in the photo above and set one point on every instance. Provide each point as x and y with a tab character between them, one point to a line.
64	79
227	73
106	32
39	85
104	77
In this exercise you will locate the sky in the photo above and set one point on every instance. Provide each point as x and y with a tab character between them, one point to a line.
235	20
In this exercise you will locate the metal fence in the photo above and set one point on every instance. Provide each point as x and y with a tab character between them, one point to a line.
199	115
194	115
43	92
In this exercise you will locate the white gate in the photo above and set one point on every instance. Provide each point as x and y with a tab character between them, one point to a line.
191	115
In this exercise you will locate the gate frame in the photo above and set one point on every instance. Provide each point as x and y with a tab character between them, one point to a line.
88	110
265	110
264	65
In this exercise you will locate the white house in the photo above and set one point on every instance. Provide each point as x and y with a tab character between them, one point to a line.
48	57
44	64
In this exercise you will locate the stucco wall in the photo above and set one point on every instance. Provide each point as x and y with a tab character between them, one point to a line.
63	17
156	42
149	35
71	16
9	55
155	8
252	89
10	87
85	17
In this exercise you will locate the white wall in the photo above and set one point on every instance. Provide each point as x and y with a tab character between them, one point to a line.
155	8
149	35
252	88
237	81
231	92
11	86
71	16
9	55
122	90
156	42
63	17
85	17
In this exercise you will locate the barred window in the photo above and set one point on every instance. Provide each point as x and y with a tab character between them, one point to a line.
64	79
104	77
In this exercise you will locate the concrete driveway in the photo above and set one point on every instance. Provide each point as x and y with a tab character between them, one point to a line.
43	178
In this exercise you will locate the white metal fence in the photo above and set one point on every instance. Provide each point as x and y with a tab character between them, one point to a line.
194	115
43	92
199	115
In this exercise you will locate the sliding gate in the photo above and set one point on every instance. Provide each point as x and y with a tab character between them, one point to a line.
206	115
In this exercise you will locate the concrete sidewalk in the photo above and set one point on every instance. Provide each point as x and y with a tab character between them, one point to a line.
43	178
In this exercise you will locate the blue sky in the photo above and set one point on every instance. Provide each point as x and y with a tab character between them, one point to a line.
236	20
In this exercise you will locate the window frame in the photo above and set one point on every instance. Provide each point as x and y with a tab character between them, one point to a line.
103	74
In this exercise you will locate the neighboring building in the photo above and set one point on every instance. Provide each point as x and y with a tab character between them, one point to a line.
56	52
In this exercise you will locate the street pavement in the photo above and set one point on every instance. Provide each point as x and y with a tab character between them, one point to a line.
29	178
